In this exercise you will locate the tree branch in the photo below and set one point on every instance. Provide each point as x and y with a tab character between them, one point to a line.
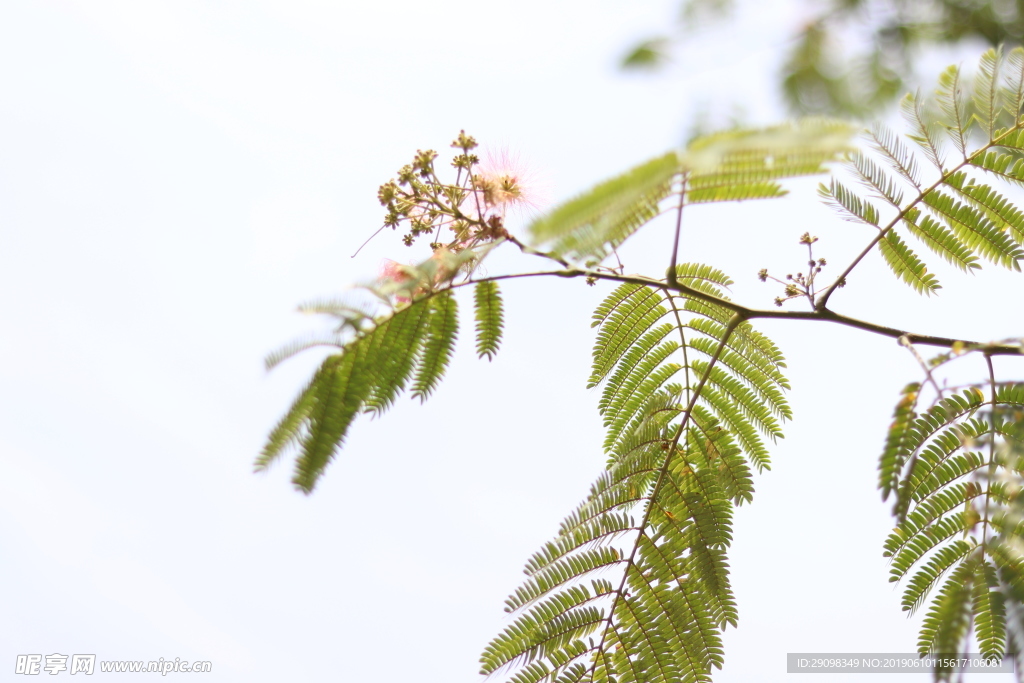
821	315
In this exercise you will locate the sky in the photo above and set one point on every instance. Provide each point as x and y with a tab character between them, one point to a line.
176	177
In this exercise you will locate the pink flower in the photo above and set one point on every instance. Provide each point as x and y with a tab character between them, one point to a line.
500	182
391	270
393	273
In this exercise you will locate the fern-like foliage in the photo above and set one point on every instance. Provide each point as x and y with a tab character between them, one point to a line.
956	471
955	467
382	357
635	587
958	215
377	357
490	318
597	222
729	166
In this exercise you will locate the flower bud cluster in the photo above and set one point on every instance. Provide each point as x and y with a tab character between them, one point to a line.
456	215
799	285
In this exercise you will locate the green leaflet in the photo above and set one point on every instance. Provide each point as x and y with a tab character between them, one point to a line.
930	573
635	587
630	318
988	101
875	177
738	396
997	208
703	278
712	446
299	345
1012	89
923	134
896	154
987	224
974	230
906	264
953	105
847	203
291	428
768	388
940	240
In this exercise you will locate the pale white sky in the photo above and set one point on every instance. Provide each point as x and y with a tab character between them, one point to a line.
175	177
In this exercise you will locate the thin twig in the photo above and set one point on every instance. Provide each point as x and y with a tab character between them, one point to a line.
377	232
905	341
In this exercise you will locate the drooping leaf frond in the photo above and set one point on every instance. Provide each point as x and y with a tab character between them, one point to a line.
894	453
989	611
438	345
367	375
953	467
410	347
290	430
339	391
635	588
490	318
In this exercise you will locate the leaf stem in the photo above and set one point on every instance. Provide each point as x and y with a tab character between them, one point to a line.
672	277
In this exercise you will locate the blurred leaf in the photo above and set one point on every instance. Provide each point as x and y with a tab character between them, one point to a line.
650	54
